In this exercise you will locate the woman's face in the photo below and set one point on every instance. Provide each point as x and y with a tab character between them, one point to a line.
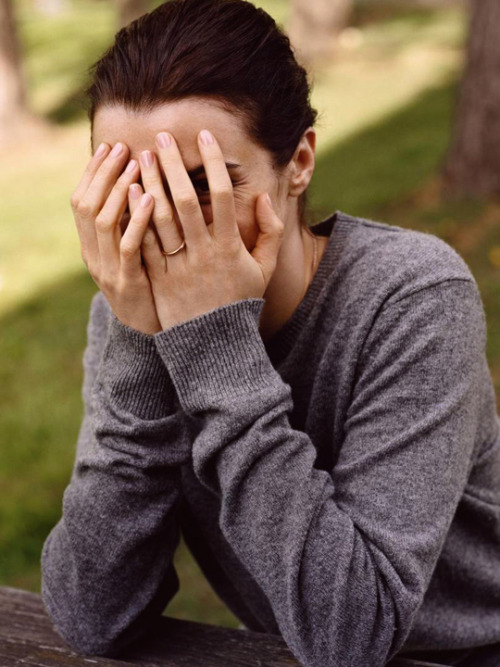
184	119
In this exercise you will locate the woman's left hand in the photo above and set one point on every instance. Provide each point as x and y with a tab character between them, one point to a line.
214	268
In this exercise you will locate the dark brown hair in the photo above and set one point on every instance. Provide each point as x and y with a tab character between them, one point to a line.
227	50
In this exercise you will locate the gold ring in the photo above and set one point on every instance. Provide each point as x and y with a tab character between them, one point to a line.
174	251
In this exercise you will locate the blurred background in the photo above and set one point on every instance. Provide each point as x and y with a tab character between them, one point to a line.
409	133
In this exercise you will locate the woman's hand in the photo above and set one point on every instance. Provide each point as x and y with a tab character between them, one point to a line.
113	260
214	268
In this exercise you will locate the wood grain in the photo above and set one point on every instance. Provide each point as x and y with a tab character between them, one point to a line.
28	639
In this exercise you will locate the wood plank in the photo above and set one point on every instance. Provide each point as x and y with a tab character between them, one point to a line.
28	639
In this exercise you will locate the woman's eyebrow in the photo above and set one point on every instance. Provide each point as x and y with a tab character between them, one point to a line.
199	170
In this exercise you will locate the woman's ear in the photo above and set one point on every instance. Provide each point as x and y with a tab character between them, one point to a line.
302	163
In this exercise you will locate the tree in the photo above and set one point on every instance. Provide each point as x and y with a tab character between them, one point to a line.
13	88
314	26
129	10
473	162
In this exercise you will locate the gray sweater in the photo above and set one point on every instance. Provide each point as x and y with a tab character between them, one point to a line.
338	485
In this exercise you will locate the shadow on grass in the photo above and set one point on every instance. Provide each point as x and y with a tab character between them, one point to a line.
40	394
387	161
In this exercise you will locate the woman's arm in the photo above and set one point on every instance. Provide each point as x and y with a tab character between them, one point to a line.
107	565
344	558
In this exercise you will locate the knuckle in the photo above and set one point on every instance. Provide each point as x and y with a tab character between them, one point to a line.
127	250
122	184
232	253
186	203
102	224
149	239
204	255
94	273
84	258
154	181
234	249
84	209
222	193
74	201
163	218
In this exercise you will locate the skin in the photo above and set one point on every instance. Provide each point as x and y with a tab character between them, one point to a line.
259	250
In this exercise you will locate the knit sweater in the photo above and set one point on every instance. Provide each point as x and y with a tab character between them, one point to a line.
338	485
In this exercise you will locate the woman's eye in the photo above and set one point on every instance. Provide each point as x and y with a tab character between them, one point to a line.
202	185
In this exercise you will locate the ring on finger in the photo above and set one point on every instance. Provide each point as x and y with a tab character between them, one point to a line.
174	251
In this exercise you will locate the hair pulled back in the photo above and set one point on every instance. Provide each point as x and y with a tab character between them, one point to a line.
227	50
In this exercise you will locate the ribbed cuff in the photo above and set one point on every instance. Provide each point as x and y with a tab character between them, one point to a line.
133	374
217	356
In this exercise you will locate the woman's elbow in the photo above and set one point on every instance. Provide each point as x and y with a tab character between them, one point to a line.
82	631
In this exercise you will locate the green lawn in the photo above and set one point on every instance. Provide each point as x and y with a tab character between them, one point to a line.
386	110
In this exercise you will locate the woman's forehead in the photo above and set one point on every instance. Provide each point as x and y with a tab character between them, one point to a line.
184	119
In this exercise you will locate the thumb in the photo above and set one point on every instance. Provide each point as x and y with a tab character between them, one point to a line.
271	233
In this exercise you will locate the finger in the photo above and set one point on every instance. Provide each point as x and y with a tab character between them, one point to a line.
163	215
107	222
154	259
269	241
89	173
88	240
183	193
103	181
134	195
130	245
221	187
135	192
95	196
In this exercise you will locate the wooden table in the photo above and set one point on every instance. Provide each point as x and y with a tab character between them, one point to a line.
27	639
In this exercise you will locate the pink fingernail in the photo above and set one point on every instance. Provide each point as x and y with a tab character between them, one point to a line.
146	200
206	137
117	150
135	191
101	150
163	140
147	158
131	166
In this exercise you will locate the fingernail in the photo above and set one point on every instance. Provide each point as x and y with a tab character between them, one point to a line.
135	191
268	200
146	200
206	137
131	166
163	140
101	150
147	158
117	150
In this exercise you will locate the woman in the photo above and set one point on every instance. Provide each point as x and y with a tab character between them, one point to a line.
311	408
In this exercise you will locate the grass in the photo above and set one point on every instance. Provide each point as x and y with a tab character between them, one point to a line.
386	109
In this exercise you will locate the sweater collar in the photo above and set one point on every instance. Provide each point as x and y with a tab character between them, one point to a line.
281	342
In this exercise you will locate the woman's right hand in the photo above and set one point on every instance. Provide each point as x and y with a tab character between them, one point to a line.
114	261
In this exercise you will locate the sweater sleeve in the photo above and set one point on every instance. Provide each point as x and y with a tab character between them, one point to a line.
107	565
345	556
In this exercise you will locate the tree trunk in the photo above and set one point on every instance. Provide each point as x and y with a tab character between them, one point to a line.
12	88
129	10
473	162
314	26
